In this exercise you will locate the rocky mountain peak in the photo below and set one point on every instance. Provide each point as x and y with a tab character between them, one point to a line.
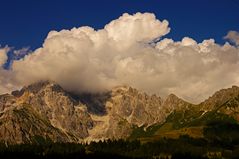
220	97
53	104
113	114
37	87
172	97
172	102
119	90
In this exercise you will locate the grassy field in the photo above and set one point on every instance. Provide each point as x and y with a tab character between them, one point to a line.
166	132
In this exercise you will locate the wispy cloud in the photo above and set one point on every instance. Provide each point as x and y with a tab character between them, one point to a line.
3	54
15	54
233	36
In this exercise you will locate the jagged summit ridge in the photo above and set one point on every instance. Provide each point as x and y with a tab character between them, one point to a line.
125	107
56	106
64	117
220	97
37	86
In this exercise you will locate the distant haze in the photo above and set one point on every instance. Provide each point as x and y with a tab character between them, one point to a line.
128	51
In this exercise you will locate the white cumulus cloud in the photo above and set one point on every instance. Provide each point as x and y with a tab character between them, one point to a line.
84	59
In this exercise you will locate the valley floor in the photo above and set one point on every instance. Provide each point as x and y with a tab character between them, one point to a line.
183	147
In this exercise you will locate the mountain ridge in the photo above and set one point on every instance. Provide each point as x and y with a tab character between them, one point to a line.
110	115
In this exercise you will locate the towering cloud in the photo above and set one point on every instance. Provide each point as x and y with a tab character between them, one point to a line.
83	59
124	52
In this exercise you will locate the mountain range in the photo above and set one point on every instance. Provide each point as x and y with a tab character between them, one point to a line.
44	110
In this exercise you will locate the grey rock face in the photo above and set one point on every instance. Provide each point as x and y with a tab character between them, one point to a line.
136	107
219	98
124	107
57	106
23	125
225	101
6	101
67	119
45	109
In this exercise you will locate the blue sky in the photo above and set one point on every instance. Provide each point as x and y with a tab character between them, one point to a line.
26	23
117	55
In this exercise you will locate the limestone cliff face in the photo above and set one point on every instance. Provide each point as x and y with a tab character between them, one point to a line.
51	103
6	101
136	107
116	112
219	98
54	104
23	125
46	110
225	101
